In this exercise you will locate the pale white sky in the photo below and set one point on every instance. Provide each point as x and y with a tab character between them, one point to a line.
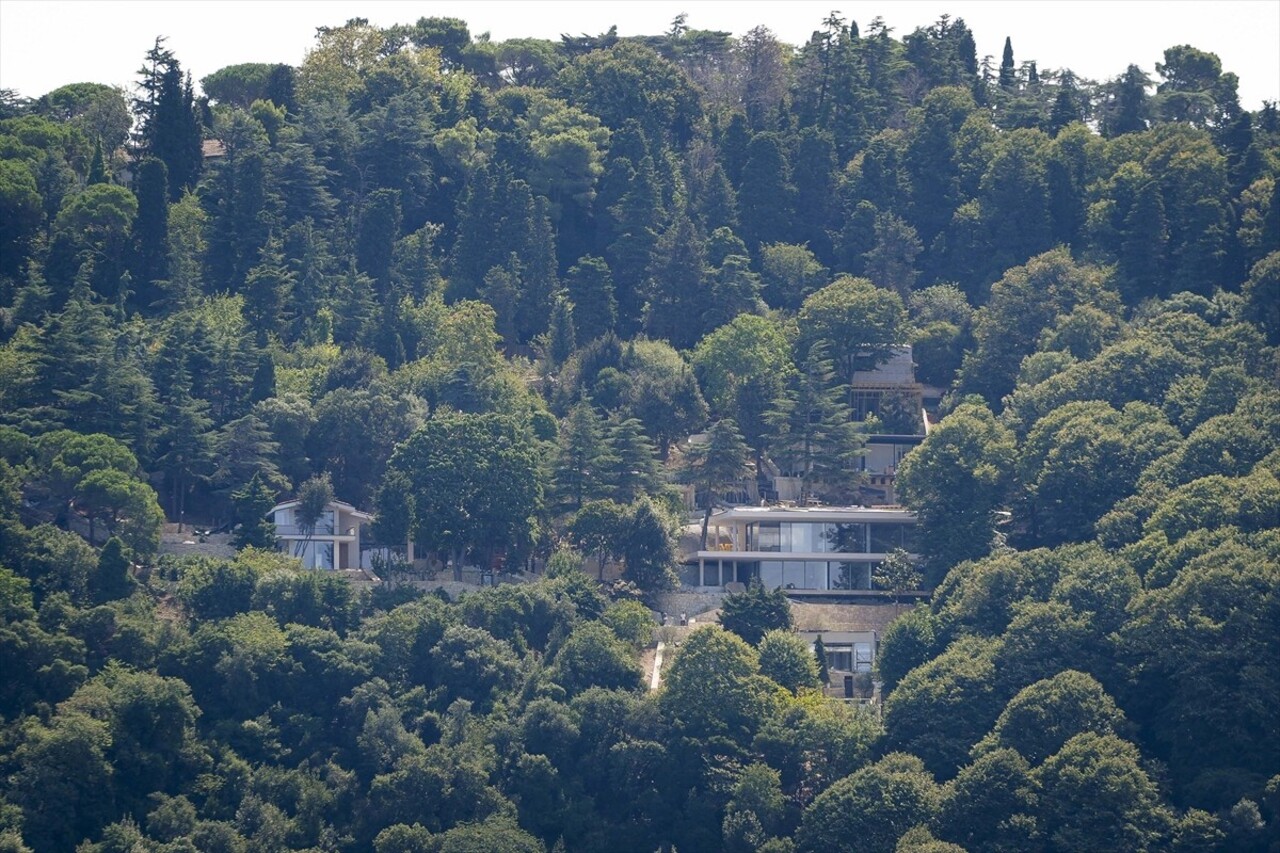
49	43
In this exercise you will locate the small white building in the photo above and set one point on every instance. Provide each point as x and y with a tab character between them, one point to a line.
333	544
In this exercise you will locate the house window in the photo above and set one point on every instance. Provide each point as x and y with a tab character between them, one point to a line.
768	536
846	538
314	555
815	575
886	537
852	657
770	574
840	657
850	575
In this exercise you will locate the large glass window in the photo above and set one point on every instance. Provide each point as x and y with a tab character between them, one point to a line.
797	538
815	575
850	575
846	538
766	536
886	537
314	555
770	574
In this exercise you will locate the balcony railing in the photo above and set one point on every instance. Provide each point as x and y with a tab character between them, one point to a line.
319	532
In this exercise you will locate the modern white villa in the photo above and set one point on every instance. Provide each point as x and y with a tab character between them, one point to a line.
801	548
333	544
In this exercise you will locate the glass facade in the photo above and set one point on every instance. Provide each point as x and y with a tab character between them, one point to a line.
810	555
815	574
826	537
717	573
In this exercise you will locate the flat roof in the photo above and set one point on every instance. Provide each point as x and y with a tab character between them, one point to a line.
815	513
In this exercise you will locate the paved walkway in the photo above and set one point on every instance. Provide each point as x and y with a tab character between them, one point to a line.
656	679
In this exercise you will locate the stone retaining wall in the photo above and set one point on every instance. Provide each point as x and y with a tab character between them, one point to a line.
688	603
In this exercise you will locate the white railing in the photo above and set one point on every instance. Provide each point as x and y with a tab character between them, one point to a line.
319	531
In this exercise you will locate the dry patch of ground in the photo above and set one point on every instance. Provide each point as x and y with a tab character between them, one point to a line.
846	617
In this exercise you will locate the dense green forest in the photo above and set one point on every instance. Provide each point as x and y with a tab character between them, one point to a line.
487	290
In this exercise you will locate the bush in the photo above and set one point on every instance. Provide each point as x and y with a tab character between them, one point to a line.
756	611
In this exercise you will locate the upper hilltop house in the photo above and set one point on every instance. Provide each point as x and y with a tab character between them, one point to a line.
899	405
334	543
892	395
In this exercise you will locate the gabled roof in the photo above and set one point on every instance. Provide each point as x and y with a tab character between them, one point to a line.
346	508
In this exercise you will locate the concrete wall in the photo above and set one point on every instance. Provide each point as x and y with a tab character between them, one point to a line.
688	603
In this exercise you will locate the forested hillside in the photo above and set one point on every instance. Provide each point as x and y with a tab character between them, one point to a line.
487	290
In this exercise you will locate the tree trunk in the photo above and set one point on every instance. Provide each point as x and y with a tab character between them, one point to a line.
181	502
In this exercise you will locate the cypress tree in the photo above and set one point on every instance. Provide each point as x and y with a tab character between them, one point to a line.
1008	74
502	289
151	232
97	166
475	251
280	88
539	280
169	126
354	294
820	655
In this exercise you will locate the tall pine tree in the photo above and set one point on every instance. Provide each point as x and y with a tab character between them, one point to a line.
169	125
